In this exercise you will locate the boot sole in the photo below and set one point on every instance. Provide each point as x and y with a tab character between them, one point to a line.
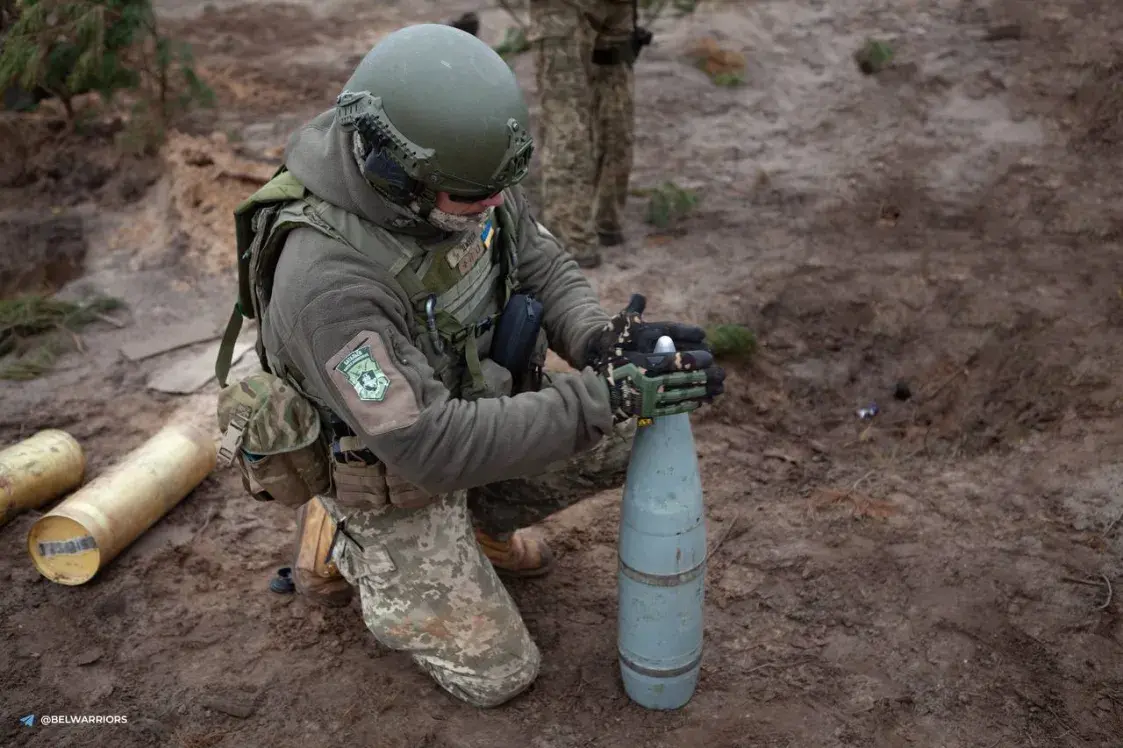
541	571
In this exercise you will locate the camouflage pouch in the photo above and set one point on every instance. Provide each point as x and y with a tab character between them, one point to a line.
273	434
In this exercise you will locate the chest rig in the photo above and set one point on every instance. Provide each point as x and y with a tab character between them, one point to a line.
457	287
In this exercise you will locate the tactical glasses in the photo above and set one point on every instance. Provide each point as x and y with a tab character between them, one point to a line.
479	198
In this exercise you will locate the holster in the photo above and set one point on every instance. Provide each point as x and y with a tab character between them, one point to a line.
626	52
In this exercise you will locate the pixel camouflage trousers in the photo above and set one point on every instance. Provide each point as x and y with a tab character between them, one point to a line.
586	127
426	587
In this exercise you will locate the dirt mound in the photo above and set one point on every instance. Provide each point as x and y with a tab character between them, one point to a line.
51	251
45	162
184	197
206	182
265	62
981	373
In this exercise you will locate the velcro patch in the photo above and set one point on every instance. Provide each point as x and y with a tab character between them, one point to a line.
364	374
371	385
470	258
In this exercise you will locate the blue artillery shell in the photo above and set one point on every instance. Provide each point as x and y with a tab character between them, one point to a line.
662	553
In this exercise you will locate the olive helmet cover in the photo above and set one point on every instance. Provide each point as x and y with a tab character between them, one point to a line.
437	110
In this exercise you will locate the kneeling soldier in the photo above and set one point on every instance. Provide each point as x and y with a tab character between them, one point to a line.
406	297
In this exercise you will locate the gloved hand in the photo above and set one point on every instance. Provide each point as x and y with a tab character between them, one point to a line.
646	384
628	332
650	385
641	37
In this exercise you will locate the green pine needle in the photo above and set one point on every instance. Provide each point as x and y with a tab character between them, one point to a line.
731	341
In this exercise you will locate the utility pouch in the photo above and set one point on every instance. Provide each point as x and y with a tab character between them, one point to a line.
516	338
362	482
273	435
641	37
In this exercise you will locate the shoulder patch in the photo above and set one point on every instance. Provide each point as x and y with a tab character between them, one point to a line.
364	374
371	385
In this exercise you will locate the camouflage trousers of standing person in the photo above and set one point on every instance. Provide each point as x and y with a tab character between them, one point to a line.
586	131
427	588
613	146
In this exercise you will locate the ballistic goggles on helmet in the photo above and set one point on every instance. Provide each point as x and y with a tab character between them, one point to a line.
362	111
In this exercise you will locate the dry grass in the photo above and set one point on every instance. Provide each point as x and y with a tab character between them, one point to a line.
724	66
35	330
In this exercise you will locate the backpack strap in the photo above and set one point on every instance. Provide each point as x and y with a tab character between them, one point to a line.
251	230
226	346
284	204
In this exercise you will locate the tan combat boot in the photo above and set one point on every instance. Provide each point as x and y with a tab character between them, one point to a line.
313	575
515	555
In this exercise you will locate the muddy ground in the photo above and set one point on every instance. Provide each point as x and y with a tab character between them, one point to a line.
944	574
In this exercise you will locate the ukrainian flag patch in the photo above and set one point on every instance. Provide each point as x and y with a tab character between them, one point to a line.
487	233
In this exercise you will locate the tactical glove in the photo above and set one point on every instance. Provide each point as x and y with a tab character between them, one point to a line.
646	384
650	385
628	332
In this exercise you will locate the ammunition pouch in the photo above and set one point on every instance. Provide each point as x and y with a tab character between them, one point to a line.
290	478
626	52
519	343
273	435
362	481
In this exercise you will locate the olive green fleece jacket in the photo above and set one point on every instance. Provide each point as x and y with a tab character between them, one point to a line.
328	300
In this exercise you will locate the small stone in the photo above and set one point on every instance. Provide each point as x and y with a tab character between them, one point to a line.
902	391
100	694
234	706
89	656
1004	32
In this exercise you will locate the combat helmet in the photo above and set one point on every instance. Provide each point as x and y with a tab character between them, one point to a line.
438	110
